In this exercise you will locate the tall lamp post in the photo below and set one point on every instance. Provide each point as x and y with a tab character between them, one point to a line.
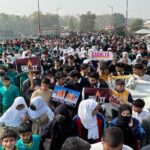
127	18
58	9
112	11
39	19
58	18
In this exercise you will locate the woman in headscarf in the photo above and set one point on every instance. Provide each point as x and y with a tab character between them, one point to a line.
13	117
61	127
132	129
137	60
40	115
125	57
89	123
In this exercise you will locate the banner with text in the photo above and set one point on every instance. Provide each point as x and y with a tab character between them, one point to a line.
100	55
28	64
101	95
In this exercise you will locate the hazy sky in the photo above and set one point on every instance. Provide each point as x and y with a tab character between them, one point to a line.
137	8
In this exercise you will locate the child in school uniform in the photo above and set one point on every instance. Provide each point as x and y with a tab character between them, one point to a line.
122	94
8	140
28	140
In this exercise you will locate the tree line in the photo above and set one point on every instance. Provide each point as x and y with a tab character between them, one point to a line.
13	25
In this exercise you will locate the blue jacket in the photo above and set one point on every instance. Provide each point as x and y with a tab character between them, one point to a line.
137	129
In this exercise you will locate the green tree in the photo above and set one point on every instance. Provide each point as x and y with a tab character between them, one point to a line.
119	24
49	20
87	22
137	24
72	23
102	21
118	20
121	30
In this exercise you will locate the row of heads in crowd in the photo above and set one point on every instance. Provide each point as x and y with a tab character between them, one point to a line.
112	138
74	44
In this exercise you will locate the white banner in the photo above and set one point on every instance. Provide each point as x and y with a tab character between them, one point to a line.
100	55
142	90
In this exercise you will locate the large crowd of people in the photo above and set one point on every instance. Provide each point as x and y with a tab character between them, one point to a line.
32	120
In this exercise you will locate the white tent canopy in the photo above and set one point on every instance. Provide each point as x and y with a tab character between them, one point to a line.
148	35
143	31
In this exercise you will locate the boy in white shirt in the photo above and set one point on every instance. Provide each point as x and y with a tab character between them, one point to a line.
138	75
138	112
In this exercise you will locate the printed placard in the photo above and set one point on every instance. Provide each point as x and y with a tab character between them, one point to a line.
65	95
28	64
95	55
101	95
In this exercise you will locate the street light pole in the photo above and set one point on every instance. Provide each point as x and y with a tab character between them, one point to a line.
39	19
112	9
127	18
57	14
58	9
58	18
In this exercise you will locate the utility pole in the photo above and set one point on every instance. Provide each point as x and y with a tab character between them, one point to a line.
58	26
127	18
112	11
39	19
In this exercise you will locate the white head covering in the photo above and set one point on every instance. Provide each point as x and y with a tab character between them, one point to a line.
109	49
138	56
94	48
86	61
89	122
13	117
123	57
65	51
41	108
124	53
90	50
70	50
10	59
83	53
82	49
